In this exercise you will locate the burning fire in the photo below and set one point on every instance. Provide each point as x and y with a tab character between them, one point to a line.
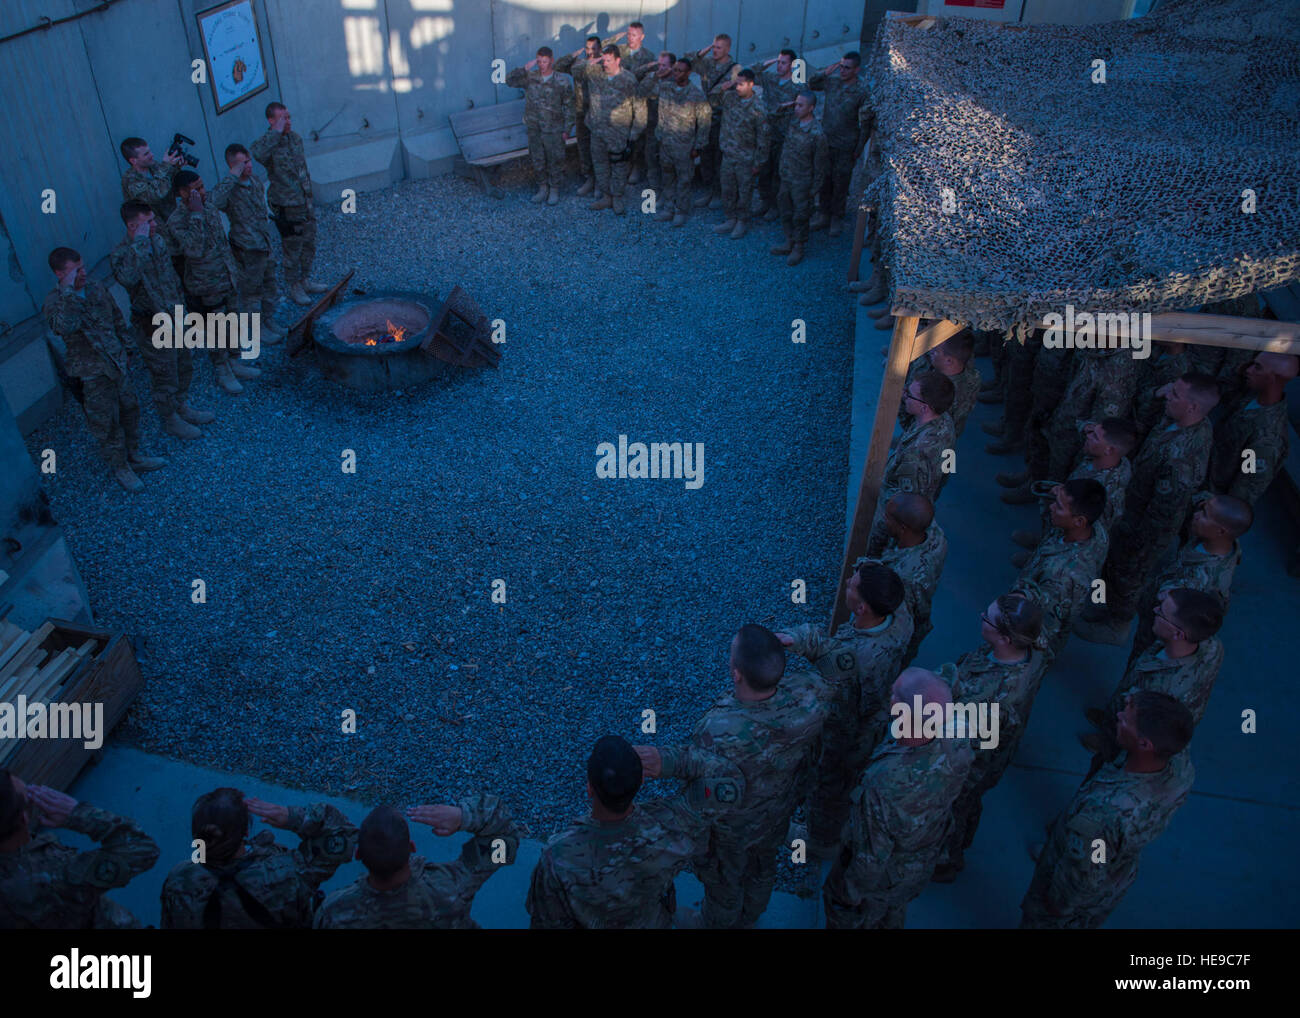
395	334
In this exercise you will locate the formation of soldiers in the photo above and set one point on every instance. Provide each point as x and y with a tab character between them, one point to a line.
670	118
176	258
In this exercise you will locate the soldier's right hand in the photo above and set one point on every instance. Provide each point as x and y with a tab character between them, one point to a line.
173	157
55	806
651	760
445	820
531	64
194	202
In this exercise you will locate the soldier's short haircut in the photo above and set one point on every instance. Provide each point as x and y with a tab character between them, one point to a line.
912	509
723	36
545	51
272	108
790	53
853	57
672	57
593	38
960	347
614	771
61	256
637	24
1198	614
130	146
1021	618
1121	433
937	390
1087	497
235	150
384	842
1202	388
1231	513
745	73
759	657
880	587
183	179
810	96
612	51
1162	721
133	210
220	820
11	805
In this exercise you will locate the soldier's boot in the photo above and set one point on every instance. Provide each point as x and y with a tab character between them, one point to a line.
782	249
620	209
995	428
663	215
188	413
299	296
181	428
311	287
1022	495
726	227
1006	447
1025	538
885	322
742	228
1019	558
243	371
227	380
553	196
543	192
635	176
819	222
1013	480
272	331
701	200
796	255
588	185
715	201
881	312
604	202
679	219
127	479
772	213
836	227
138	461
875	293
863	285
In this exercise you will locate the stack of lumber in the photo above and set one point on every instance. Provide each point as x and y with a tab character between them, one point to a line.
30	671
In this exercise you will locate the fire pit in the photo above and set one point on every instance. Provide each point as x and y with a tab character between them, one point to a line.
374	342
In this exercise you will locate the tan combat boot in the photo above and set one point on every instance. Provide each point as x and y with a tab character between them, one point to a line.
127	479
181	428
663	215
701	201
226	379
243	371
725	227
138	461
553	196
863	285
679	219
782	249
605	202
619	208
796	255
742	228
588	185
543	192
188	413
875	293
311	287
819	221
272	331
299	296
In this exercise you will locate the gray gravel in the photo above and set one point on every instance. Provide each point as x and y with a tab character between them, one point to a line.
372	591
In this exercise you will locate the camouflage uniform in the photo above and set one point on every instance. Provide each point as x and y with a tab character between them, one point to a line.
616	876
211	276
859	667
1153	374
1193	567
1262	429
773	743
289	197
1059	576
581	69
919	567
153	187
1050	378
915	464
1102	386
144	268
744	142
1114	479
47	885
244	203
684	118
1125	811
844	139
1189	680
638	62
1167	471
1017	406
775	94
282	881
900	819
712	73
548	115
804	163
966	387
95	333
1013	686
616	117
438	896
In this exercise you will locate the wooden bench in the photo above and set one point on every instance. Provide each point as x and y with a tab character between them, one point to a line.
489	136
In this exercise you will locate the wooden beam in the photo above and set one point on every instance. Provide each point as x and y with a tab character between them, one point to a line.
859	238
873	471
1226	330
931	336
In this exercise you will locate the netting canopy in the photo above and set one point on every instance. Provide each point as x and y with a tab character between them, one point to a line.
1126	195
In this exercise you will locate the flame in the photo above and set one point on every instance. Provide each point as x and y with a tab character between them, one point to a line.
398	333
372	342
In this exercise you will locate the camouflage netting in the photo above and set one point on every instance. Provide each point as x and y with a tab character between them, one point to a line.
1123	196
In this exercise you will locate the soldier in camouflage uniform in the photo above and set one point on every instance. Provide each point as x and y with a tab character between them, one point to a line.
85	315
713	64
682	133
647	75
211	277
916	551
900	819
583	65
402	891
845	94
240	195
288	192
916	463
953	358
636	58
744	140
1051	375
1167	362
616	117
142	263
1021	361
1120	810
1167	472
47	885
859	664
779	92
1259	424
804	163
1061	571
1006	669
549	119
768	729
614	869
249	884
149	181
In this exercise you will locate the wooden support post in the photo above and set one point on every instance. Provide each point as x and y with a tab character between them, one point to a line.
930	337
859	238
873	471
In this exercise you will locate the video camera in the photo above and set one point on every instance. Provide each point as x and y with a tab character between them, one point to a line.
175	149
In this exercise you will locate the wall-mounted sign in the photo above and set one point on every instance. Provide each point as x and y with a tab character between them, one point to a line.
233	50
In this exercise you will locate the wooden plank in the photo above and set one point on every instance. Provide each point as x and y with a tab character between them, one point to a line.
299	338
27	650
927	339
485	146
504	157
51	675
873	470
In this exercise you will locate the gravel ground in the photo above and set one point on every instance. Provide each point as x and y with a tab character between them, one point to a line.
372	591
